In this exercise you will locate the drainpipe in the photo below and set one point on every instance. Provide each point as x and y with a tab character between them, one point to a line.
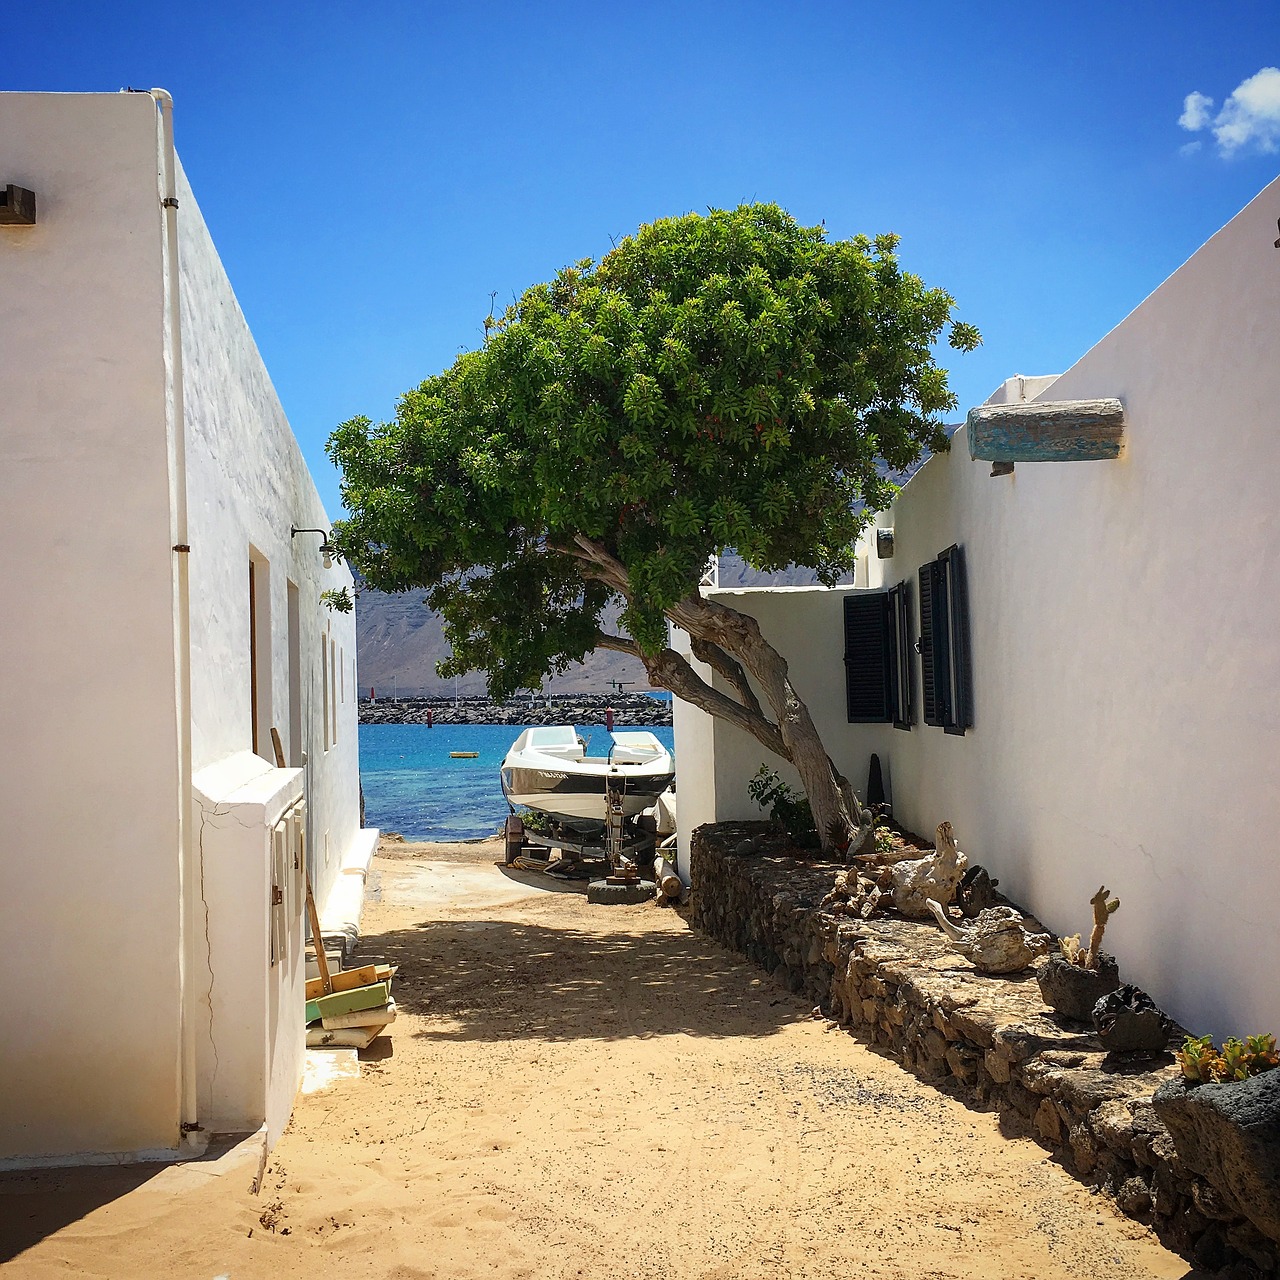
194	1141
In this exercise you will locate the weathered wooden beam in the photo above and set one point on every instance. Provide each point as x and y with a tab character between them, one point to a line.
1056	431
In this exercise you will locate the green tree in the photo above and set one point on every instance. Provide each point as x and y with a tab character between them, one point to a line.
728	380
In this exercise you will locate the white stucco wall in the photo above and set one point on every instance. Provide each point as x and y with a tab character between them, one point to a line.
1126	649
90	857
248	484
89	838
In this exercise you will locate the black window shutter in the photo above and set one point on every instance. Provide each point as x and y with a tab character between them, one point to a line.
961	717
940	629
929	690
867	665
902	640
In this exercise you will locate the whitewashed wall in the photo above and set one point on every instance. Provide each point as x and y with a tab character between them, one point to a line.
1126	649
90	857
248	484
89	907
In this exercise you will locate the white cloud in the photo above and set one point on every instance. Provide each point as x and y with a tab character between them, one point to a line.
1190	148
1197	111
1251	114
1249	117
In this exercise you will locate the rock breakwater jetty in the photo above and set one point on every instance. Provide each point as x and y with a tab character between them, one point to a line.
630	709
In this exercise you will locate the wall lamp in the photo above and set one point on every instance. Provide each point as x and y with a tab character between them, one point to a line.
17	206
327	549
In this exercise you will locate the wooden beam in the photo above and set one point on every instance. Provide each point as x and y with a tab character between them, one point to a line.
1056	431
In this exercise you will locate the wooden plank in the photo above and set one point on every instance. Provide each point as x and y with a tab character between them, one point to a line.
379	1017
348	978
348	1001
1055	431
346	1038
322	960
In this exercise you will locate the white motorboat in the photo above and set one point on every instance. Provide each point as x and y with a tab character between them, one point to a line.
548	769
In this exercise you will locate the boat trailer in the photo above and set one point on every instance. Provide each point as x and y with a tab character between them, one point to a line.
624	846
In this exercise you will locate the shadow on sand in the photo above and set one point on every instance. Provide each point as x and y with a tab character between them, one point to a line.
499	979
36	1203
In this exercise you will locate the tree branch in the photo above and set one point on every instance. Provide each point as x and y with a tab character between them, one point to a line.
620	644
669	670
715	657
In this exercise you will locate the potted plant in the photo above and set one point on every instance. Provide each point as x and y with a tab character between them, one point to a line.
1075	980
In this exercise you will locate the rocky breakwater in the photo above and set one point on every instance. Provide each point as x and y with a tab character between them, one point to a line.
897	983
631	710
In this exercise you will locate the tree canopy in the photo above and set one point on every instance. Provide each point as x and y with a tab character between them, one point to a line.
728	380
724	380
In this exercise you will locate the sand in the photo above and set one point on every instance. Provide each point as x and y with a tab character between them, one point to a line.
600	1092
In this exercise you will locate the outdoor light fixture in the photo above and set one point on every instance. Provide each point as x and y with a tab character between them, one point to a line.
327	548
884	544
17	206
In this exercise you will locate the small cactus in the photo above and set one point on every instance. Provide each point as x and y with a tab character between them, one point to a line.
1087	957
1102	912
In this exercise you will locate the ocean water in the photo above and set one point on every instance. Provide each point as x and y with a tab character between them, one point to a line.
412	785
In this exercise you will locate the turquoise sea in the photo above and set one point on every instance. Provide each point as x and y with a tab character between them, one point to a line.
412	785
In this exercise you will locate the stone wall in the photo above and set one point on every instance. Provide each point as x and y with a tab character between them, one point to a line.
897	984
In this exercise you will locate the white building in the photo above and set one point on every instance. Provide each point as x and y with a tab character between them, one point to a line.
160	622
1123	725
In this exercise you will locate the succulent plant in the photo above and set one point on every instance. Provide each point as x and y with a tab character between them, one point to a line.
1233	1064
1198	1059
1260	1052
1238	1059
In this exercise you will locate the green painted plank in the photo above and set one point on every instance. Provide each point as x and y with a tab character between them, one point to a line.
348	1001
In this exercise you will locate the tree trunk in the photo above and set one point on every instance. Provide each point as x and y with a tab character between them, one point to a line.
729	641
843	824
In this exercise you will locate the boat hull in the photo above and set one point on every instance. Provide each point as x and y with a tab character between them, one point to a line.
547	769
580	796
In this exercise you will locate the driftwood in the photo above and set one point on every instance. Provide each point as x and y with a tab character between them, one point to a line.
936	876
998	941
669	882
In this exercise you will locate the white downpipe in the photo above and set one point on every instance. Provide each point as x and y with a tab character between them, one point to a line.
194	1139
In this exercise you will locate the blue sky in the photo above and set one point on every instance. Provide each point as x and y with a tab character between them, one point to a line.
371	173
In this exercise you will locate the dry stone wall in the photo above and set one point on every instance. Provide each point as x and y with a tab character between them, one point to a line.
897	984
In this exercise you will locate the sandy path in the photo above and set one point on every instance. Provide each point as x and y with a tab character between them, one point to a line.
595	1092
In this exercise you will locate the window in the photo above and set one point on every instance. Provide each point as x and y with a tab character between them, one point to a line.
260	717
324	687
877	656
944	642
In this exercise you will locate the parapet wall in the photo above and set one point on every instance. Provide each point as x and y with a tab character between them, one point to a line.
897	984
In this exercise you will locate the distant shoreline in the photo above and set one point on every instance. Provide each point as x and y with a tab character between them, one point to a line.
582	708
